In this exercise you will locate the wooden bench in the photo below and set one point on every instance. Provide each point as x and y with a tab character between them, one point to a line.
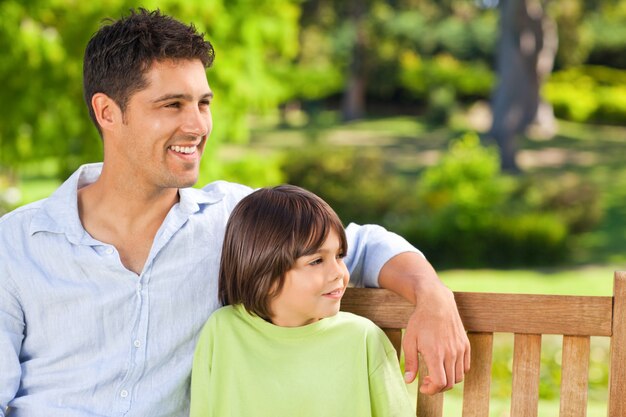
528	317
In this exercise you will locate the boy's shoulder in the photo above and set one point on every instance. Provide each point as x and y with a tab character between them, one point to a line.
230	316
373	337
222	314
220	318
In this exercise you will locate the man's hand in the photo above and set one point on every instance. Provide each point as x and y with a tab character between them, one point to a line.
435	329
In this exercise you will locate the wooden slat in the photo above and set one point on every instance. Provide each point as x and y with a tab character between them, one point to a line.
427	405
517	313
535	314
617	370
395	337
525	385
478	381
574	376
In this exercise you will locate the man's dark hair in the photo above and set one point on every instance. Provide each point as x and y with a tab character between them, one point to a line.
118	56
266	233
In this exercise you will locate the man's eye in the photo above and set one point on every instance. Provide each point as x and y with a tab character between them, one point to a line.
175	105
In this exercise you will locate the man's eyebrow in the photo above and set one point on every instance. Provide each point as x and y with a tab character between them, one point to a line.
185	97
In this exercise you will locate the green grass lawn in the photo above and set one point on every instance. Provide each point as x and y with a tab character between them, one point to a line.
589	280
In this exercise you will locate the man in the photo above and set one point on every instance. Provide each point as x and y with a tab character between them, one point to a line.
105	285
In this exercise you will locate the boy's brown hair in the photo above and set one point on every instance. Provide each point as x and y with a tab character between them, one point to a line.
266	233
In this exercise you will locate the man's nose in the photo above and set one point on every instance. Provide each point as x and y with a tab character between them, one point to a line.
196	123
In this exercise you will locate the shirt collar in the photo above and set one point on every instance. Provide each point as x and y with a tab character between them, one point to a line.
59	213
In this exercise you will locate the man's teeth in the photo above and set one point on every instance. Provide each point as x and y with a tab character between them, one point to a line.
183	149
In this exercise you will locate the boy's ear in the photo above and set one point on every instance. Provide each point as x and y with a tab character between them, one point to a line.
106	110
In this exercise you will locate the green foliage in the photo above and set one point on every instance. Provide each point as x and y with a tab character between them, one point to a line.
588	94
421	76
469	214
463	211
250	169
607	25
574	201
355	183
466	203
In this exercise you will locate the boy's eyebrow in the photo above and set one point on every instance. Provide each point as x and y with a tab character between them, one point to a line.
318	251
186	97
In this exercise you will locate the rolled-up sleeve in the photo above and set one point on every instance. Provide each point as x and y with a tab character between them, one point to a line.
369	248
11	335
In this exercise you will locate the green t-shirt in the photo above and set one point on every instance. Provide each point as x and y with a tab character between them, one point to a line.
341	366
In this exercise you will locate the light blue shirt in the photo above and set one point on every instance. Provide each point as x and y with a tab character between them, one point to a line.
82	336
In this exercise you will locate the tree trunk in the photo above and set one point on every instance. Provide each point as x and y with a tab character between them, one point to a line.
525	55
353	102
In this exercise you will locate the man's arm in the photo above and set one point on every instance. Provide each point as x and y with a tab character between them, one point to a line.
11	335
377	257
434	329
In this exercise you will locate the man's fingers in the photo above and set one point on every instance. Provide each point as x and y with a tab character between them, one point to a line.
436	379
451	372
411	361
459	370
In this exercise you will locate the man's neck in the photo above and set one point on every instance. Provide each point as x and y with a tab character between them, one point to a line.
125	216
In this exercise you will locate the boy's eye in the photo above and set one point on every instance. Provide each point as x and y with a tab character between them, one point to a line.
341	255
316	261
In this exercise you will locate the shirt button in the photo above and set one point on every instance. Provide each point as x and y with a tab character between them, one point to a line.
137	343
138	287
109	251
124	393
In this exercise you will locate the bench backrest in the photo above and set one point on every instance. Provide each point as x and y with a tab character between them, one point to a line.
528	317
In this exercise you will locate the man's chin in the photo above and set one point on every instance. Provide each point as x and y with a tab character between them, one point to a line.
181	181
188	183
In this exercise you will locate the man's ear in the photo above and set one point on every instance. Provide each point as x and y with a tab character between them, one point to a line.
107	112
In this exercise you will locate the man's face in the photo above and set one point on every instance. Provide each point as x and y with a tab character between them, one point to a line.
165	126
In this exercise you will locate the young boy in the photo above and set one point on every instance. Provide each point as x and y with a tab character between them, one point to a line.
280	347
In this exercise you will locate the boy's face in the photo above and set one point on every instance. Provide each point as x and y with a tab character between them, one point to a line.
313	287
165	126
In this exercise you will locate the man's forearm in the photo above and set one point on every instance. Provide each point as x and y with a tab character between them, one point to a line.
411	276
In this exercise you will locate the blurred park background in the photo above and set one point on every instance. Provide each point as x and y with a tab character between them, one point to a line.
489	133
